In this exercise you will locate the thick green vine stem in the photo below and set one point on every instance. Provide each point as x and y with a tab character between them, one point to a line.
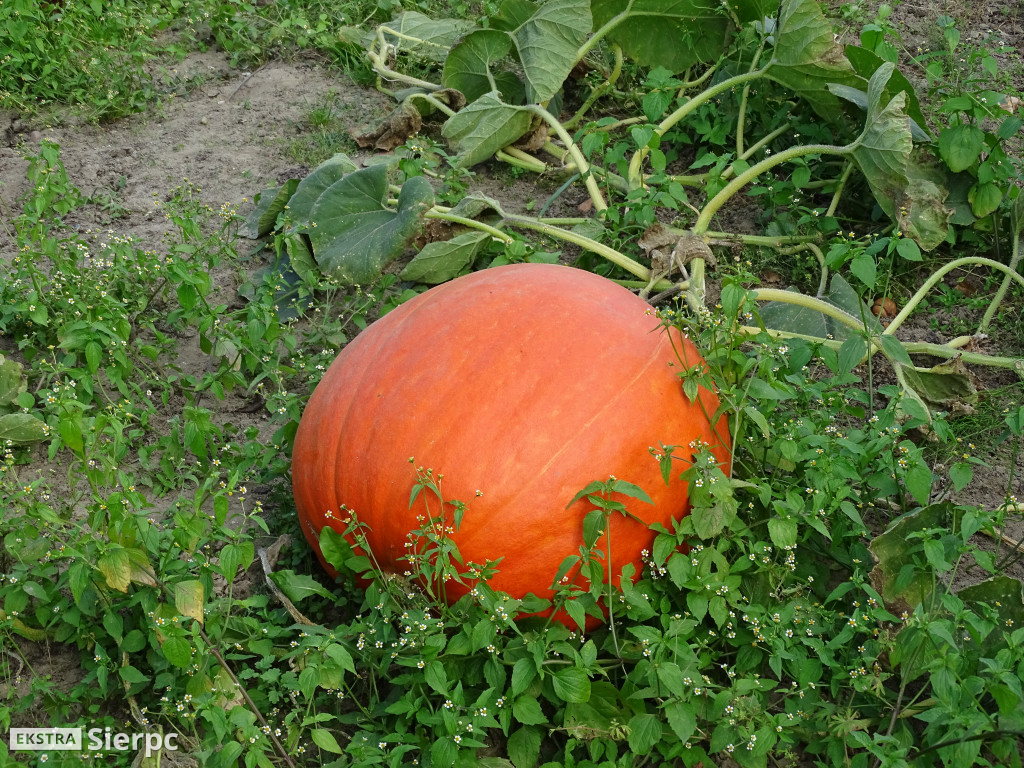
711	207
581	162
635	176
1005	285
938	275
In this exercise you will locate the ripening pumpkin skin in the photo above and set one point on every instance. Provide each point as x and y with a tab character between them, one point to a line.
525	382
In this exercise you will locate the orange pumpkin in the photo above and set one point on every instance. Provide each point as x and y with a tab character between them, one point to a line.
525	383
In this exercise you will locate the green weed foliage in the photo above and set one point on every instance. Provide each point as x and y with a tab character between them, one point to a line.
802	611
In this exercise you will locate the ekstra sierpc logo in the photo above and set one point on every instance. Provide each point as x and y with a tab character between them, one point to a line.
93	739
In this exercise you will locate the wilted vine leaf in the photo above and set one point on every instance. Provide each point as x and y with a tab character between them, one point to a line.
357	235
942	385
424	37
901	586
484	127
866	63
12	383
548	43
468	66
807	58
904	189
476	203
1003	593
675	34
441	261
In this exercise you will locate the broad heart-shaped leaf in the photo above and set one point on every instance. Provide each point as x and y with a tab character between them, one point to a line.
780	316
329	172
894	550
441	261
424	37
675	34
484	127
961	145
512	14
906	190
548	44
357	235
21	429
468	66
806	57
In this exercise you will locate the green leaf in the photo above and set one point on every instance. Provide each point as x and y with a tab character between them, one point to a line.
782	532
863	267
298	586
435	677
188	598
131	675
271	202
21	428
178	651
527	711
468	66
707	521
961	145
439	262
357	235
572	685
341	657
894	349
423	37
681	719
323	177
919	482
644	733
523	673
851	353
524	747
674	34
482	128
807	59
326	741
985	198
548	43
961	473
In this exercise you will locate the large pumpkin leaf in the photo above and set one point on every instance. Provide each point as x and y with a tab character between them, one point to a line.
780	316
548	45
675	34
357	235
21	428
484	127
424	37
894	576
441	261
326	174
806	57
904	189
512	14
468	66
12	383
